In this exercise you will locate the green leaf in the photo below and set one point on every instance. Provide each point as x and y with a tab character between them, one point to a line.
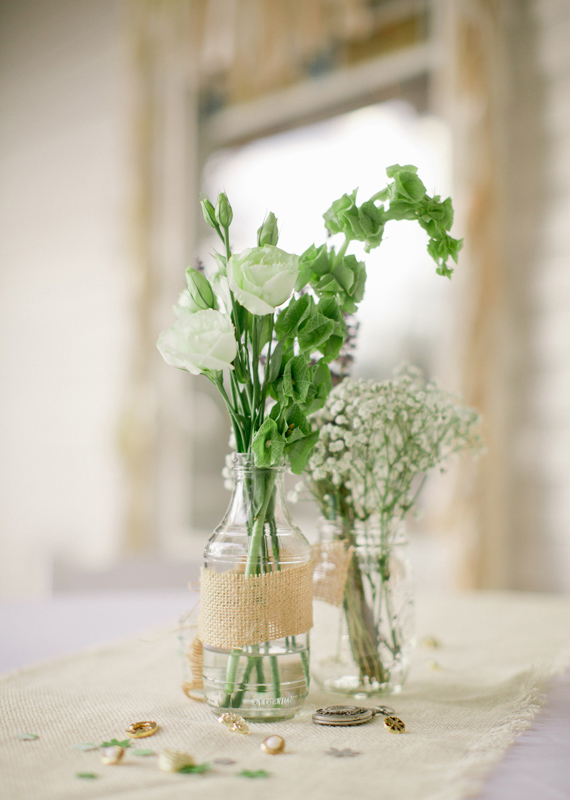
303	277
401	209
240	372
268	444
331	309
264	332
116	743
315	332
343	275
86	775
409	185
316	259
296	379
298	452
297	423
27	737
142	752
275	362
291	317
322	383
340	217
194	768
392	171
254	773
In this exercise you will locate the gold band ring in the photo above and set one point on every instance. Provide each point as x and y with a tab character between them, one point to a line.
138	730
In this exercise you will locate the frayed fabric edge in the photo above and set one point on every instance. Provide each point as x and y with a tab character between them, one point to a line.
468	777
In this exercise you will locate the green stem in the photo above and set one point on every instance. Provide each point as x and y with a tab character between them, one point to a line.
258	526
342	252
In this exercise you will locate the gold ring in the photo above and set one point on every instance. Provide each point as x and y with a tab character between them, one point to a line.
138	730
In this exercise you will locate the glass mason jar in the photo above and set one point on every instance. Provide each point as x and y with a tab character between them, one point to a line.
373	622
255	633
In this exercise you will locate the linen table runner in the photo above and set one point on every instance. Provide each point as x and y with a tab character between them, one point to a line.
463	705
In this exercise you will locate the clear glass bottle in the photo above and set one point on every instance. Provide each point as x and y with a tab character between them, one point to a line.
267	680
369	652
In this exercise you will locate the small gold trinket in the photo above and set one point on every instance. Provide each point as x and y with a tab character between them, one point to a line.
273	745
348	715
173	760
138	730
112	755
234	722
394	724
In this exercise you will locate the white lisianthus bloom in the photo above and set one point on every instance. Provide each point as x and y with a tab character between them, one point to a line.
185	304
262	278
220	286
204	340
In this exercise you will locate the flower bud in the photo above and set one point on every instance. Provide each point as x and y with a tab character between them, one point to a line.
268	233
209	213
224	213
200	289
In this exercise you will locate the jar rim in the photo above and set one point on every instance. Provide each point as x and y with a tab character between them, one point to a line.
243	461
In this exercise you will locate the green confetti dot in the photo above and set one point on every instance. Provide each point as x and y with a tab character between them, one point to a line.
142	752
27	737
116	743
254	773
86	746
86	775
197	768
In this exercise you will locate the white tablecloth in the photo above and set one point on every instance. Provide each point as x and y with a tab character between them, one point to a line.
536	766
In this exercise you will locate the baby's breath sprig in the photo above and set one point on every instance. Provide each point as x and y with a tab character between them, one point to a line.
378	442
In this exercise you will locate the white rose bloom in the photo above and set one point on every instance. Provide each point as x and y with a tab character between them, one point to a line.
199	341
262	278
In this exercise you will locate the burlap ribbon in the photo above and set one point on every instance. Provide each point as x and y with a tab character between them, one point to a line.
237	610
331	561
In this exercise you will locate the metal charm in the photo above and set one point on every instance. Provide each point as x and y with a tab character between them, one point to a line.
394	724
348	715
139	730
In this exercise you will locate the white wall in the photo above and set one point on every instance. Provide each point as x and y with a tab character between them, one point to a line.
63	283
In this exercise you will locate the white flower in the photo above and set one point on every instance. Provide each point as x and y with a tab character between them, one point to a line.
185	304
204	340
219	284
262	278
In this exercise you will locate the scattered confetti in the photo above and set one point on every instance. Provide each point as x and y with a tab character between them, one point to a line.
86	746
346	753
434	666
142	752
27	737
116	743
431	642
224	762
87	775
255	773
194	768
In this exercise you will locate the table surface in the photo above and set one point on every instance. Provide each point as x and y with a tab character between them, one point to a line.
32	631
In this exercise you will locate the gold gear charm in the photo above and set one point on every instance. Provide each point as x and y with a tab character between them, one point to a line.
138	730
394	724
